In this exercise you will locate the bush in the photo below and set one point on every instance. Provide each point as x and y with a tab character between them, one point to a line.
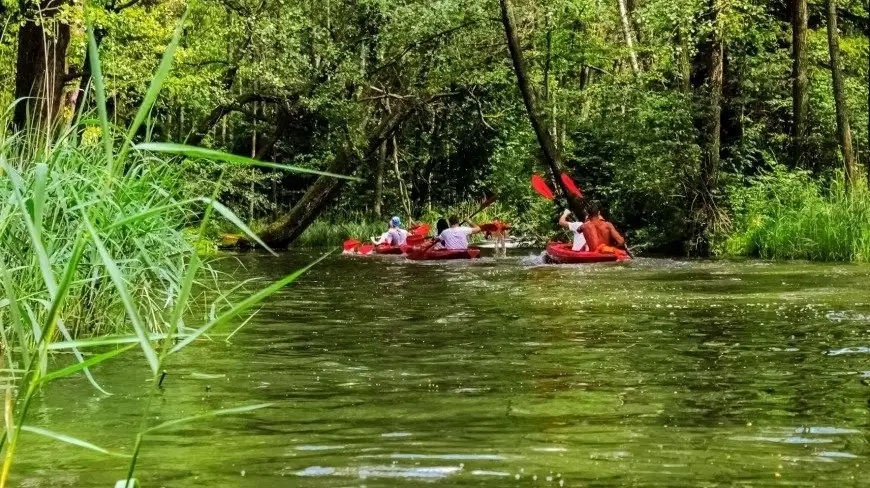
783	214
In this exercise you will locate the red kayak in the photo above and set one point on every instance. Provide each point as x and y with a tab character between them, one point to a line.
558	252
388	249
421	254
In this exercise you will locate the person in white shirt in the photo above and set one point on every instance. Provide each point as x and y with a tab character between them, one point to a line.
576	228
395	237
456	237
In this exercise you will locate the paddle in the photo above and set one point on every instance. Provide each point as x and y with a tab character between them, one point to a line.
351	244
483	206
541	187
571	186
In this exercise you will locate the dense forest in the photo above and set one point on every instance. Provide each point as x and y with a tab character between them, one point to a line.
689	119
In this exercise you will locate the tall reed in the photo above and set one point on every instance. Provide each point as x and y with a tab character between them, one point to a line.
94	260
787	215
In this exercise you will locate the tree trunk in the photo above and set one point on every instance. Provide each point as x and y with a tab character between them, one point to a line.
403	190
710	167
799	80
708	84
843	132
537	117
41	65
379	179
290	225
629	36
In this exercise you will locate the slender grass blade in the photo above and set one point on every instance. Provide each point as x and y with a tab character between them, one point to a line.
246	304
213	413
214	155
100	94
75	368
69	440
130	307
154	88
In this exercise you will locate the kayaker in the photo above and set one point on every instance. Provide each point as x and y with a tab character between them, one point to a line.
441	226
576	229
600	234
456	236
395	236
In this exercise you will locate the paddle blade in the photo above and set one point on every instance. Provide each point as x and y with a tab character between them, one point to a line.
350	245
571	186
366	249
421	230
541	187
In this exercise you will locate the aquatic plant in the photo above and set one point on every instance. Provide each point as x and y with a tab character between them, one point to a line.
95	260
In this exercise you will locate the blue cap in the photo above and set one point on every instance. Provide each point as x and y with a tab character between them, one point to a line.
395	221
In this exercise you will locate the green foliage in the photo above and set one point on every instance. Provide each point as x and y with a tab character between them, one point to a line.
783	214
297	82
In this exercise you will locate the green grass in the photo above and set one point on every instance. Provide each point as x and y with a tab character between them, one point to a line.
95	259
787	215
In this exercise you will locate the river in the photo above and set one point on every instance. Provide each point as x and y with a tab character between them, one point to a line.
387	373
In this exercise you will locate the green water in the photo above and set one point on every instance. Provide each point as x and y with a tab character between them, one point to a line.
386	373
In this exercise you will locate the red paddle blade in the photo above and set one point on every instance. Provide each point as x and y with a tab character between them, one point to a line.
541	187
366	249
351	244
421	230
571	186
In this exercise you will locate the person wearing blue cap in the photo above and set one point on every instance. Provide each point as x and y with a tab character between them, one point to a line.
395	236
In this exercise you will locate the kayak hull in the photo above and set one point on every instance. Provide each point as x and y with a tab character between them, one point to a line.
421	254
387	249
562	254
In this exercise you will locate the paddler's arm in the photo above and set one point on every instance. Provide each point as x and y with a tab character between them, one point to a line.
563	220
618	239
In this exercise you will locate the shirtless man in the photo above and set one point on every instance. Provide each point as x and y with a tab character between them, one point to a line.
600	234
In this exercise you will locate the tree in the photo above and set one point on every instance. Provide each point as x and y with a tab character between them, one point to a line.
843	132
40	68
536	115
629	35
799	80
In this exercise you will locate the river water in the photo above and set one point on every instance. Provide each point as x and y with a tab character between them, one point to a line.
387	373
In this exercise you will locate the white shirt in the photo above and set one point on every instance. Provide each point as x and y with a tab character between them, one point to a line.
579	238
456	237
397	237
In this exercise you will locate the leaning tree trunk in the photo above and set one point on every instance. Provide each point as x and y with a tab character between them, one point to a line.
40	67
537	117
843	132
799	80
325	189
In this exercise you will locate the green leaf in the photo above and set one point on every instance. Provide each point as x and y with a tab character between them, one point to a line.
213	413
69	440
151	212
127	299
235	220
109	340
75	368
211	154
246	304
100	94
40	176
